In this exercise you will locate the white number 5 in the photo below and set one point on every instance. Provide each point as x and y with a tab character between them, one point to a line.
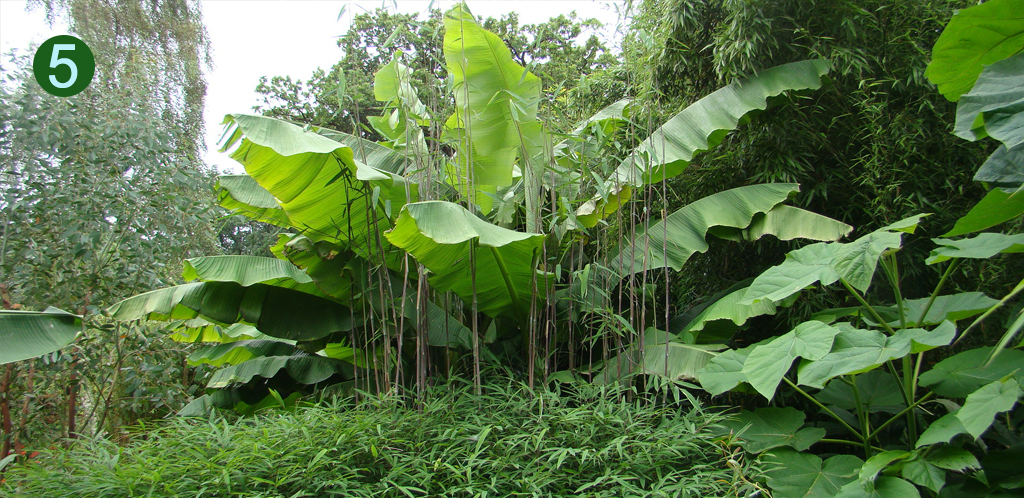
54	62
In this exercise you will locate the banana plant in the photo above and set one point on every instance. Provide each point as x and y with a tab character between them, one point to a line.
413	256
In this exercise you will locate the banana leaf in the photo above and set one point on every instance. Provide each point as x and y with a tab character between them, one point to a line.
242	195
29	334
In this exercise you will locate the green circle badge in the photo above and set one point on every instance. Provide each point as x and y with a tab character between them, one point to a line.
64	65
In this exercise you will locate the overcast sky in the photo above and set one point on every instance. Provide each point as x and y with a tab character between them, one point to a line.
283	38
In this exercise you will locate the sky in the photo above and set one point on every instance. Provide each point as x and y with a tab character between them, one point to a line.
253	38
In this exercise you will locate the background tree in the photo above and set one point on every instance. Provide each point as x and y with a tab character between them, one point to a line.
550	50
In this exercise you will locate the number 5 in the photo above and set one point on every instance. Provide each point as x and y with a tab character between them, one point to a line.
54	62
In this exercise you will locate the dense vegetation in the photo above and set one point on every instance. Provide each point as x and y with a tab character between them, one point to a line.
436	208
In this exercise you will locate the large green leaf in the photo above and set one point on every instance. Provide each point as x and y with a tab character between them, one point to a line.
973	39
495	100
444	330
660	356
1004	168
995	106
960	375
997	207
440	235
853	350
922	340
324	191
923	473
247	270
242	195
672	241
369	152
275	311
854	262
883	487
330	266
983	405
701	126
877	389
982	246
951	307
768	363
302	368
788	223
233	353
767	428
724	371
401	124
793	474
28	334
943	430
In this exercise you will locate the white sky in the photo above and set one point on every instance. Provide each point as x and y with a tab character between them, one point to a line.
284	38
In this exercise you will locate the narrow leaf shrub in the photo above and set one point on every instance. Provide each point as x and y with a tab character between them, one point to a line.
506	442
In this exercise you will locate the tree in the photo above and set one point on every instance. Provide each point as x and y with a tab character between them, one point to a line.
151	52
548	49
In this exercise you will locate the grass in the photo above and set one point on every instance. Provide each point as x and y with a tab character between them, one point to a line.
506	442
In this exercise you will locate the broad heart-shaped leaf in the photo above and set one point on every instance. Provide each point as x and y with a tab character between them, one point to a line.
247	270
719	320
767	428
704	124
302	368
883	487
440	235
672	241
951	307
324	191
854	262
943	430
997	207
853	350
233	353
973	39
28	334
952	458
768	363
983	405
924	473
793	474
724	371
995	106
1004	168
981	246
275	311
242	195
922	340
960	375
878	393
493	97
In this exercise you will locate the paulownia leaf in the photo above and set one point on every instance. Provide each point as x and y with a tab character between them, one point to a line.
1004	168
995	106
952	458
853	350
878	393
237	352
29	334
768	363
724	316
304	369
924	473
275	311
440	235
960	375
951	307
997	207
883	487
943	430
793	474
983	405
724	371
767	428
981	246
242	195
922	340
705	123
974	38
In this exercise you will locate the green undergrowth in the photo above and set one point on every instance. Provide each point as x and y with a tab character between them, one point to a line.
507	441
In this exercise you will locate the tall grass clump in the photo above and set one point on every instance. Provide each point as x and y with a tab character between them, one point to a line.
509	441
